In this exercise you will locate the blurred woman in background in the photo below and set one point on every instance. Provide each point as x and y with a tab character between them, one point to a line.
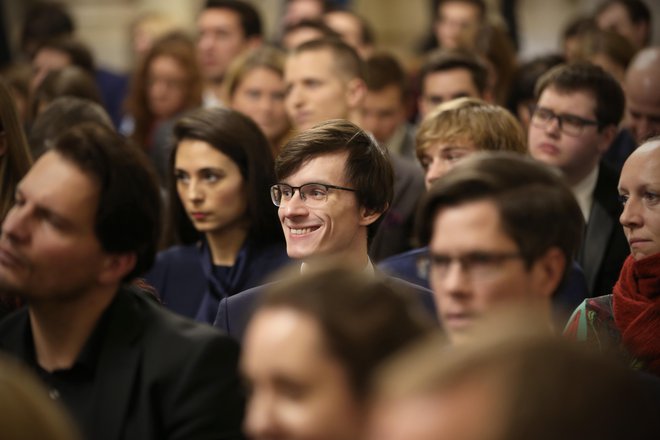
255	87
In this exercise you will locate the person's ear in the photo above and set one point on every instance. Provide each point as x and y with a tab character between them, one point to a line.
356	91
548	271
117	266
369	216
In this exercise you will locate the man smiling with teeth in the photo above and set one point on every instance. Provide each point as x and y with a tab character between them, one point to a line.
334	184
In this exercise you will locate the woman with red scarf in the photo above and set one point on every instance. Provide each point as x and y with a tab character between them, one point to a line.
629	318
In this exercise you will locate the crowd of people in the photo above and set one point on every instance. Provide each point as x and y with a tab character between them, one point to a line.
308	238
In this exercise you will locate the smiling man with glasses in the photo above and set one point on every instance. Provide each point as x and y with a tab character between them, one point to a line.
573	123
494	238
334	183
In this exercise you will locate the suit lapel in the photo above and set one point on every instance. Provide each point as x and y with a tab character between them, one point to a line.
117	366
602	221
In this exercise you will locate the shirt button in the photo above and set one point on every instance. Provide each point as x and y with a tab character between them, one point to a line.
54	394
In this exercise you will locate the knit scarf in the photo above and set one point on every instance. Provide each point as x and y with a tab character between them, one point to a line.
636	304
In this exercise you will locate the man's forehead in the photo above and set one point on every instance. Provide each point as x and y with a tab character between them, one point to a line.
316	62
218	18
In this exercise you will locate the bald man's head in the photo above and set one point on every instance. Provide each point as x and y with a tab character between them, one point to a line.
643	94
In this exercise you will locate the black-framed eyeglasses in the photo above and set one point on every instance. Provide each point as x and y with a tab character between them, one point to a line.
570	124
478	264
312	194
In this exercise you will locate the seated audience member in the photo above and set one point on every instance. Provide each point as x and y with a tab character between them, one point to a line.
629	18
325	80
575	119
334	184
385	105
60	115
146	29
226	29
503	387
451	74
68	81
255	87
15	161
608	50
303	31
323	334
57	54
643	95
220	207
629	318
521	98
460	24
84	225
26	410
166	83
571	36
353	29
453	131
494	238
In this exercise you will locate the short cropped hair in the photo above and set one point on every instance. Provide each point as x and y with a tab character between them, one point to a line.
383	70
249	16
442	60
586	77
346	60
128	216
480	4
488	126
61	114
368	167
363	319
537	208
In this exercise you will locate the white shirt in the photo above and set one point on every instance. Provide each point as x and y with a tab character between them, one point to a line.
584	192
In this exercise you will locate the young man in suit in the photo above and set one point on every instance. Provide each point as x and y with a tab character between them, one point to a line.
577	112
85	224
334	185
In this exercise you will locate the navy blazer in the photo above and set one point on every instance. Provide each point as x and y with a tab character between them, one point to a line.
407	266
235	312
604	247
158	376
184	279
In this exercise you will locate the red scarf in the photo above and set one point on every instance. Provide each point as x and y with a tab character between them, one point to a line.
636	303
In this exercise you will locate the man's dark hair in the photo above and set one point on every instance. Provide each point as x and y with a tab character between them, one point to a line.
61	114
537	208
249	16
383	70
368	168
363	320
583	76
526	76
637	10
442	60
45	21
78	52
128	217
346	60
366	31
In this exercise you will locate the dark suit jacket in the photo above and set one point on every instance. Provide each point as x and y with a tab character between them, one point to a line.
604	247
235	312
394	234
158	376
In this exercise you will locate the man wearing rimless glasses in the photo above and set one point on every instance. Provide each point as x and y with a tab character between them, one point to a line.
334	184
573	123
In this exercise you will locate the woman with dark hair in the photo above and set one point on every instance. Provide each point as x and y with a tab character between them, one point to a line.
312	347
15	161
166	83
221	211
